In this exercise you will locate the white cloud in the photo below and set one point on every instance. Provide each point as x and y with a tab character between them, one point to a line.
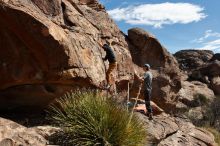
209	41
208	34
212	45
158	15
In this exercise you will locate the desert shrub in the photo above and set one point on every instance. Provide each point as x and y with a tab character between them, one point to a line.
212	113
200	100
199	106
89	119
215	133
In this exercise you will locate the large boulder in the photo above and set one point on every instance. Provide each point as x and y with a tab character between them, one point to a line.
145	48
194	94
193	59
194	98
165	130
215	85
201	65
211	69
206	72
48	48
215	57
14	134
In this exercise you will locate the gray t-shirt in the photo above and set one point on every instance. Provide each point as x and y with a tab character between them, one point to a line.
148	80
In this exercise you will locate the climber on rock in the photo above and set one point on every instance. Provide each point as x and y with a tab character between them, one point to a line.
147	80
110	56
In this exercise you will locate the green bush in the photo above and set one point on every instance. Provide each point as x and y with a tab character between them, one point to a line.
215	133
90	119
212	113
200	100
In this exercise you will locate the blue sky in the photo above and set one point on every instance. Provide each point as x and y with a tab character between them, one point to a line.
178	24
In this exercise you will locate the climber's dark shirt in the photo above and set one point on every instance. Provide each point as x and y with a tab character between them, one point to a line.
110	56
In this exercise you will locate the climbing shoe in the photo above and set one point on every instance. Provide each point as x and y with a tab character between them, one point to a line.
150	116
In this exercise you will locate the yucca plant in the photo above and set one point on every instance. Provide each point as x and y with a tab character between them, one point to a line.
215	132
90	119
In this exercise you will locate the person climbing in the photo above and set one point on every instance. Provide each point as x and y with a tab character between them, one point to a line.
110	56
147	80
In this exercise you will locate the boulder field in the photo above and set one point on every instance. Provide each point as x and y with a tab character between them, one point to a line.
50	47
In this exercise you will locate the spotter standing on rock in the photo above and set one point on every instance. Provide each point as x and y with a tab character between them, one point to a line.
147	79
110	56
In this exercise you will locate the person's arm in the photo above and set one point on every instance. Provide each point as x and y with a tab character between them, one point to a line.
145	76
141	79
106	57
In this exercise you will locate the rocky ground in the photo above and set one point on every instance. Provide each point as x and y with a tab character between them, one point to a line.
163	130
49	48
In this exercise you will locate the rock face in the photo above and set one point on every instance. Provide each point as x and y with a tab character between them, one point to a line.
176	131
194	94
42	44
54	47
145	48
192	59
201	65
162	131
215	84
216	57
194	98
140	107
13	134
208	73
211	69
50	47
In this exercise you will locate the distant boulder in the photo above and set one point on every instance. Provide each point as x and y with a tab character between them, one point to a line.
192	59
207	71
215	57
215	85
194	94
145	48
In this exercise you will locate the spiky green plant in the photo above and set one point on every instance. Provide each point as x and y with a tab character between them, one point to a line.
200	99
215	132
94	120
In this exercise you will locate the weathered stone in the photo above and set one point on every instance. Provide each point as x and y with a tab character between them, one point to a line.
140	107
46	131
48	48
206	72
51	8
216	57
7	142
215	85
13	134
194	137
145	48
192	59
194	94
165	130
211	69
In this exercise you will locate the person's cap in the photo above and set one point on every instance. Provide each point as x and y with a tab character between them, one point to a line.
147	65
